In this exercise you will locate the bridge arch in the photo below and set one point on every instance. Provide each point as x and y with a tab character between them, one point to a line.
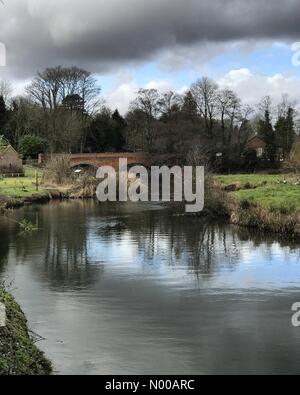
87	168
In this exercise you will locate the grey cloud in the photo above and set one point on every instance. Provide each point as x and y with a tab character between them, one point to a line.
100	34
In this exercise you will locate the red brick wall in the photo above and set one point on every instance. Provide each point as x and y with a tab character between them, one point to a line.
105	159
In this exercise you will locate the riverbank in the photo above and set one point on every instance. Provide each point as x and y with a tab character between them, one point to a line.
269	203
16	192
18	353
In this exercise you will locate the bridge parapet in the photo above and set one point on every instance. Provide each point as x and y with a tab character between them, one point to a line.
102	159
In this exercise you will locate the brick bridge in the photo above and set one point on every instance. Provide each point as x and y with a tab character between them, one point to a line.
105	159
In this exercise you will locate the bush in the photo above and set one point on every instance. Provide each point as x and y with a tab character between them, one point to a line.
58	171
217	202
32	146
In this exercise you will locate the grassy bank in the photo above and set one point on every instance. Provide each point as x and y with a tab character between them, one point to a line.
274	193
266	202
21	187
18	354
17	191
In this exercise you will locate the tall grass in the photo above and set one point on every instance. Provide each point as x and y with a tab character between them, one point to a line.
218	203
265	220
58	171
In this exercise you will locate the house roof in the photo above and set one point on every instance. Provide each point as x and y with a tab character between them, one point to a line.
3	150
255	142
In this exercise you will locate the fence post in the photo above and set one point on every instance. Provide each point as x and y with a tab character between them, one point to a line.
36	181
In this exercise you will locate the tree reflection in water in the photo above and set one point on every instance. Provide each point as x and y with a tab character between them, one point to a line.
59	251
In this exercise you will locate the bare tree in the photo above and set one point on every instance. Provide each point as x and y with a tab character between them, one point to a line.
148	102
44	89
265	105
52	86
244	125
284	106
63	92
228	106
6	90
169	103
205	95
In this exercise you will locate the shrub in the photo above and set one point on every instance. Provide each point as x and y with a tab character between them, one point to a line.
58	171
85	187
32	146
217	202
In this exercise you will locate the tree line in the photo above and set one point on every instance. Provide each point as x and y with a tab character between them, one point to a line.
62	111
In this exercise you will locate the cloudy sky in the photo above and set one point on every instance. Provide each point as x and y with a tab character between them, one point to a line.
164	44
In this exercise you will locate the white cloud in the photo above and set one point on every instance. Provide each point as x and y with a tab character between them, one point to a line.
125	91
121	96
251	87
19	87
161	86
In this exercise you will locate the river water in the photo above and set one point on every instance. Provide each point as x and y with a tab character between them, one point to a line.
141	289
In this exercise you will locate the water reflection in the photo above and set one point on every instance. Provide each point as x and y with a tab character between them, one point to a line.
4	244
72	237
57	251
142	289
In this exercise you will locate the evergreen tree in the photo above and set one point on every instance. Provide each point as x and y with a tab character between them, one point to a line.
106	132
281	133
119	119
32	146
189	107
285	132
266	131
291	133
118	131
3	115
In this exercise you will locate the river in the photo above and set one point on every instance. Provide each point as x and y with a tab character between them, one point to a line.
141	289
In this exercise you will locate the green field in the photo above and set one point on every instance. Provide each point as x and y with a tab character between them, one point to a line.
278	193
20	187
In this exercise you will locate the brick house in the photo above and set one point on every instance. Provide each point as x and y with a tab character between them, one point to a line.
10	161
257	144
